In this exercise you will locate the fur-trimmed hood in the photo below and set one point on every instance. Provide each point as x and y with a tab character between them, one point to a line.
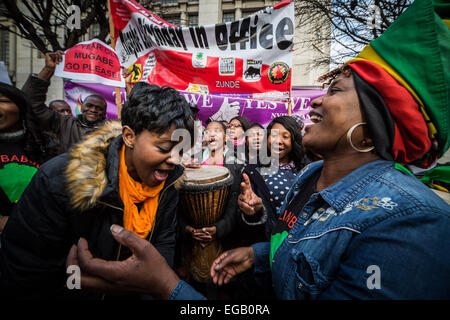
85	173
93	167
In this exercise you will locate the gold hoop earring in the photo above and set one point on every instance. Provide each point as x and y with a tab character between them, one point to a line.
349	138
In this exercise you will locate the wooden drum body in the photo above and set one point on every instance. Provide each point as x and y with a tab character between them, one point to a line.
203	198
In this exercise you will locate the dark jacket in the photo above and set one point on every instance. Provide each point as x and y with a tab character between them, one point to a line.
67	130
257	228
75	195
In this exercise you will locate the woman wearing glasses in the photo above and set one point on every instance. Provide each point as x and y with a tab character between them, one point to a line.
236	138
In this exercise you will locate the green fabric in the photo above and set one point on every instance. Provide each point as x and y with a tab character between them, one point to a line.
439	173
14	178
401	168
275	242
419	37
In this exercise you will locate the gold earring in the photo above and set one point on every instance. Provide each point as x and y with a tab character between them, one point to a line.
349	138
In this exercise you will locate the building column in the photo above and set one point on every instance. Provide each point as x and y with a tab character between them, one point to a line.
238	10
184	18
209	12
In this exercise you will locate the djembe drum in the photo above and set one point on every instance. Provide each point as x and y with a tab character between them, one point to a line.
203	196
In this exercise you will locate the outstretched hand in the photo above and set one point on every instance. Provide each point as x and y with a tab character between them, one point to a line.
145	271
248	201
231	263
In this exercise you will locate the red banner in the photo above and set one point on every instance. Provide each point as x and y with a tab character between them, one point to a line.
91	61
247	56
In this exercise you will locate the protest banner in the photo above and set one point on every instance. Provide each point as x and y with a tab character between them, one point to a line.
91	61
248	56
301	102
113	45
77	92
210	106
255	110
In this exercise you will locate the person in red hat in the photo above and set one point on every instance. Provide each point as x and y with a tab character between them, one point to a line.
353	226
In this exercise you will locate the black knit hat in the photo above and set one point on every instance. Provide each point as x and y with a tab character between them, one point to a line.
17	96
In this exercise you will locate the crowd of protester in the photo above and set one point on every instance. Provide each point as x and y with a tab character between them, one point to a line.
311	208
83	158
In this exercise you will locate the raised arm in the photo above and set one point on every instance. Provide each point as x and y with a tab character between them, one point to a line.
36	88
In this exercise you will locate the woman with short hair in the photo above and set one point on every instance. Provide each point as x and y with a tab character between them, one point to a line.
124	173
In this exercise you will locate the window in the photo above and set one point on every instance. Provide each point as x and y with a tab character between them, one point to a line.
3	10
4	48
193	20
94	30
147	3
173	20
169	1
248	13
228	17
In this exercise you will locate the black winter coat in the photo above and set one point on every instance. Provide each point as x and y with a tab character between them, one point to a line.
60	206
257	228
66	130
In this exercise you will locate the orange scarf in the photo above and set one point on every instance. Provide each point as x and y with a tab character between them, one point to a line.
133	192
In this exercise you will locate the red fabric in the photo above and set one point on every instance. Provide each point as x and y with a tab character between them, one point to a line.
411	139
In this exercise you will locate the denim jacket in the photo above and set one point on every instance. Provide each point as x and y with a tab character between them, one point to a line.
377	233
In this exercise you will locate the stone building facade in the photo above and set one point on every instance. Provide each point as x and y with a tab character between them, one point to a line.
22	59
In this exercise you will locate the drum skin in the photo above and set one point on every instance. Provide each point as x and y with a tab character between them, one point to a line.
203	196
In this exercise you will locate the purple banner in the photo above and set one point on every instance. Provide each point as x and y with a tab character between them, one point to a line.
76	92
301	102
261	111
211	106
